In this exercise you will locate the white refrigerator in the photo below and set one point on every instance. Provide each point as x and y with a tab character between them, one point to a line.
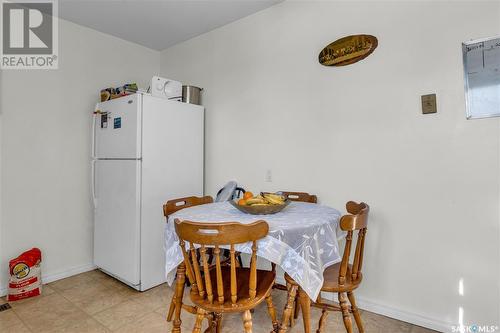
146	150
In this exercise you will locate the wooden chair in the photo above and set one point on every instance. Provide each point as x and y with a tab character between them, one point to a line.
171	207
342	278
175	205
223	289
300	196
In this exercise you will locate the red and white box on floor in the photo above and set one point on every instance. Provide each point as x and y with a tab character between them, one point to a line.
25	275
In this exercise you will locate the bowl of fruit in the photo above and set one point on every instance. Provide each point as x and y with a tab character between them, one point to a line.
262	204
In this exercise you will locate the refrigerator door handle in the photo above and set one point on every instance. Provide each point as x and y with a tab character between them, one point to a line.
96	110
94	200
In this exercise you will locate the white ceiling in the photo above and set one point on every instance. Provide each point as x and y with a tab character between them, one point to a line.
158	24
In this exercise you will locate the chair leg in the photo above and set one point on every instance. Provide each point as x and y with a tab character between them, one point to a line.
171	309
247	321
211	323
288	308
218	322
179	292
322	321
297	308
305	304
355	312
345	312
294	309
272	312
200	315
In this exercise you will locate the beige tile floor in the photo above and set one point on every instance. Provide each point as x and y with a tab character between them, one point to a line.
94	302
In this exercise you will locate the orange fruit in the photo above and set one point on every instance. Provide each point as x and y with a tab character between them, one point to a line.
242	202
247	195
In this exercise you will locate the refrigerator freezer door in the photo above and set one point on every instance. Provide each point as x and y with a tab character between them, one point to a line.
118	128
172	167
117	218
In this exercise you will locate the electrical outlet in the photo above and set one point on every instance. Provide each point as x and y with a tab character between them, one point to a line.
269	176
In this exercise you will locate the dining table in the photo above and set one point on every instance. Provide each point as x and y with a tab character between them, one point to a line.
302	239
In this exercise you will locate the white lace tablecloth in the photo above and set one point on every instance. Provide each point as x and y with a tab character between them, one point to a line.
302	239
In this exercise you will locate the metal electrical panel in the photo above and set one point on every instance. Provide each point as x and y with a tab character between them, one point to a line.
482	77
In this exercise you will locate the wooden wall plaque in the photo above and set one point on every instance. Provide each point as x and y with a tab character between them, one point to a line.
348	50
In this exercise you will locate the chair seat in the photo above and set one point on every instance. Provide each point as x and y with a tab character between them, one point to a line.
265	281
331	280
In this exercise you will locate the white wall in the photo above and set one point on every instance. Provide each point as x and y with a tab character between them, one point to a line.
357	133
45	152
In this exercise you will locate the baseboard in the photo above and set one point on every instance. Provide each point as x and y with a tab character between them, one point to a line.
59	275
391	312
409	317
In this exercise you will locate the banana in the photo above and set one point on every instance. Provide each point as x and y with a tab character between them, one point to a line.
275	202
264	199
255	201
274	199
274	195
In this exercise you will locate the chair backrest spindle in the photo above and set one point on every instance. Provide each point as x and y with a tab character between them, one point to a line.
234	282
197	273
253	272
206	274
345	258
220	285
189	267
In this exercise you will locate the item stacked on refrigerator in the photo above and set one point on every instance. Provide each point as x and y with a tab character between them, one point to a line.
25	275
111	93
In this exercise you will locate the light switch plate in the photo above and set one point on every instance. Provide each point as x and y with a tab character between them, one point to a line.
429	104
